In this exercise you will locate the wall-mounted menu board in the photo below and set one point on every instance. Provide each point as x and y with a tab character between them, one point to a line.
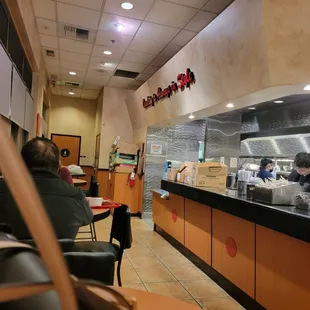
29	113
18	99
5	82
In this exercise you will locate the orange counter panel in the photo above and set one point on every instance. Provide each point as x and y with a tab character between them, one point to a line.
198	229
282	271
169	215
239	269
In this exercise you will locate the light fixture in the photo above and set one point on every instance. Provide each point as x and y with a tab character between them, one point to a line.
278	101
252	108
107	53
191	116
119	27
72	73
307	87
127	5
71	92
230	105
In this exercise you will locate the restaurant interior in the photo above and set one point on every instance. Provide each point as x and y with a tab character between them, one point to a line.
179	124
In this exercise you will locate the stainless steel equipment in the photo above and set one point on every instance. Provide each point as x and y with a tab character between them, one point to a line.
282	195
242	187
231	181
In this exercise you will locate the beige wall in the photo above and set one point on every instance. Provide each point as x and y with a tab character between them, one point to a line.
252	47
71	116
115	121
99	113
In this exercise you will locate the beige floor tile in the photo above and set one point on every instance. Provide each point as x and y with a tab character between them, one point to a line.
155	274
128	276
188	273
165	250
193	302
139	252
125	263
175	261
204	289
155	242
224	303
171	289
145	262
137	286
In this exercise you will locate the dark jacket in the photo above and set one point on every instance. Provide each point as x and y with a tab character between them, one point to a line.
66	206
264	174
304	180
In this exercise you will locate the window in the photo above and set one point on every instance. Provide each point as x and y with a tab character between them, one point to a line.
12	43
4	24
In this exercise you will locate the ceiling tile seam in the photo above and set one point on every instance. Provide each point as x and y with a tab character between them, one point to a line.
59	67
91	54
129	46
187	6
81	7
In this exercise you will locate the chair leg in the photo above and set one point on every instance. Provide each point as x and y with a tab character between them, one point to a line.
94	230
119	280
91	232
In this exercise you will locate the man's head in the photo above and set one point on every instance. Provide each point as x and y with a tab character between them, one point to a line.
266	164
41	153
302	163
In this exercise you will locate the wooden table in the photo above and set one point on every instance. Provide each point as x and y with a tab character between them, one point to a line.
77	175
79	182
150	301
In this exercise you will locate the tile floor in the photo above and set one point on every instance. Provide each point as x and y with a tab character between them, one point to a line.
153	265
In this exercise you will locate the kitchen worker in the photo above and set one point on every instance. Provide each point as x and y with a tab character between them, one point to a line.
265	169
301	173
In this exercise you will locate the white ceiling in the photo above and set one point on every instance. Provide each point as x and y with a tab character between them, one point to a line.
154	31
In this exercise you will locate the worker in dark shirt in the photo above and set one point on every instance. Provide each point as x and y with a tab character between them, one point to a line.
301	173
265	169
65	205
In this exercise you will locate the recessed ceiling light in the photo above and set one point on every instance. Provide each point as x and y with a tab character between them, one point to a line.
107	53
119	27
72	73
278	101
230	105
127	5
71	93
191	116
307	87
252	108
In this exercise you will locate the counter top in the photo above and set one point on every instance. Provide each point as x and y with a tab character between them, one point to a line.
285	219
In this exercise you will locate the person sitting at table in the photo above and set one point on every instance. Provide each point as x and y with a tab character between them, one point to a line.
66	205
65	174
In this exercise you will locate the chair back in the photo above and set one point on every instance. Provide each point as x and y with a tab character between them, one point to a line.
93	187
121	227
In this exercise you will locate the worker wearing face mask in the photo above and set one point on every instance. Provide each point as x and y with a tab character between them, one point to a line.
301	173
265	170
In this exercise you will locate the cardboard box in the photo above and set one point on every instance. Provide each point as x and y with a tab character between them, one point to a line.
125	148
124	168
210	169
172	174
210	174
205	181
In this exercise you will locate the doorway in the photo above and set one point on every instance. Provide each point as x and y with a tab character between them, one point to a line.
69	147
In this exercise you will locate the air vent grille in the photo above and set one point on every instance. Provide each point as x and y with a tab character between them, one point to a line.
126	74
50	53
76	33
72	84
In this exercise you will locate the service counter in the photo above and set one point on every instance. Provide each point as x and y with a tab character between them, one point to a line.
263	251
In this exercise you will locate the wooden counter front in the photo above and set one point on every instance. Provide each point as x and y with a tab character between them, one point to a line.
169	215
282	271
233	250
198	229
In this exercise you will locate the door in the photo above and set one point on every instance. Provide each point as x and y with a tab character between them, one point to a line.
69	147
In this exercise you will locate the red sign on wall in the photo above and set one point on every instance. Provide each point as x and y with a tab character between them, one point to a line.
184	80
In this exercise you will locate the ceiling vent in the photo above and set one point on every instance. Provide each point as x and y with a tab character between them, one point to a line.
76	33
126	74
72	84
50	53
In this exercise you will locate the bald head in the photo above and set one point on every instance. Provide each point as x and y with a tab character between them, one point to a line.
41	153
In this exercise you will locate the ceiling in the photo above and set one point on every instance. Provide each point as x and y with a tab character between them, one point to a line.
152	35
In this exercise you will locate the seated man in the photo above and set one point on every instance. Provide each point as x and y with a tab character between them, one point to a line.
65	205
